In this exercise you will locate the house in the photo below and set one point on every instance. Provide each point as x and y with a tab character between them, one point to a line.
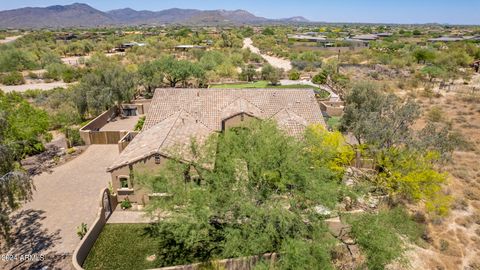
384	34
307	38
366	37
189	47
129	45
446	39
177	115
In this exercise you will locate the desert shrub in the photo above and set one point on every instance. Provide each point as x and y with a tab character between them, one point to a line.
13	78
435	114
293	74
379	235
140	123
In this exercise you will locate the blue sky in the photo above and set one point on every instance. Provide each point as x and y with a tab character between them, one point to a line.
375	11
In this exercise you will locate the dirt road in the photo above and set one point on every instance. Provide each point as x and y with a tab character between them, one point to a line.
272	60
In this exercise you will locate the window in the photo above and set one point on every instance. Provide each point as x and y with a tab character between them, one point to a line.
123	182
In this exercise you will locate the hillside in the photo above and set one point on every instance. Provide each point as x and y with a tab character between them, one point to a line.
82	15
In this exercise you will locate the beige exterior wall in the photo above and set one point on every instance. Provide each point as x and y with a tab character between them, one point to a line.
237	120
134	192
332	108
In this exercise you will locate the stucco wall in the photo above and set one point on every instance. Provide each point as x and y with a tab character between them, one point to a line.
332	108
86	244
125	140
236	121
135	193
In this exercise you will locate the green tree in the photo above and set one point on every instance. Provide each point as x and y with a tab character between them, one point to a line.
254	200
15	185
248	73
382	236
432	72
27	127
180	71
151	75
268	31
103	88
271	74
378	119
424	55
16	60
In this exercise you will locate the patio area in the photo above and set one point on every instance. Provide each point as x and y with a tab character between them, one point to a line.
119	124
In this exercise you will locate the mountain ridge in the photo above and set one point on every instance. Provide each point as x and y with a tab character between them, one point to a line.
83	15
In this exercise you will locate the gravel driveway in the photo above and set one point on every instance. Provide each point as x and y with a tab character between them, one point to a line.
63	200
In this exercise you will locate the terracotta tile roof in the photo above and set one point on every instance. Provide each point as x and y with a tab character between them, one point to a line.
177	115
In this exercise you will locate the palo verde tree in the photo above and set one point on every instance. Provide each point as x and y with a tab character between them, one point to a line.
407	161
247	191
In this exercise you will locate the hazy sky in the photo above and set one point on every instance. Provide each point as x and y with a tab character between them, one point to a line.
393	11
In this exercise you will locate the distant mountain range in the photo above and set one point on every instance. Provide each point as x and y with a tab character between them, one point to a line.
83	15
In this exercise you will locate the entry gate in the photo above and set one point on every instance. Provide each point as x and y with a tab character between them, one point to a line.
107	206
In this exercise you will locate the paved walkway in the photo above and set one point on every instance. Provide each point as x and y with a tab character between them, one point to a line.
63	200
272	60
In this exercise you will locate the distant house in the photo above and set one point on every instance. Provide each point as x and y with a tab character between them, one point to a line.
189	47
384	35
306	38
366	37
473	38
129	45
66	36
446	39
176	116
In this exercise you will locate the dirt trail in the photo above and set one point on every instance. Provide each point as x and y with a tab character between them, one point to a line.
272	60
9	39
25	87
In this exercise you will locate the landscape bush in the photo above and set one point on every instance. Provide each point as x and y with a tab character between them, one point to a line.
12	78
381	236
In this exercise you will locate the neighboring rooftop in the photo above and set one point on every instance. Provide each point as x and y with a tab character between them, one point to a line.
366	37
307	37
447	39
178	115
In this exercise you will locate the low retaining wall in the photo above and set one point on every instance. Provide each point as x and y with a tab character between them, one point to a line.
245	263
86	244
333	108
125	140
91	134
